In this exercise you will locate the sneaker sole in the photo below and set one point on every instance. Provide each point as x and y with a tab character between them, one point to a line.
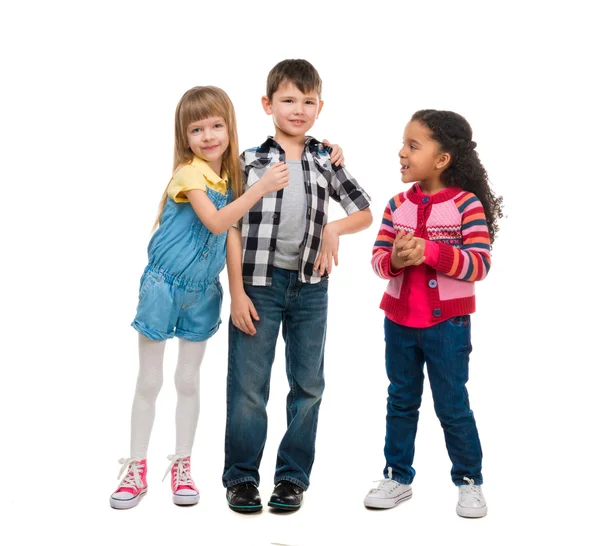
383	504
471	512
118	504
185	500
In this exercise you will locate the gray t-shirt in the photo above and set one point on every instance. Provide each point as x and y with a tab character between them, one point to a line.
292	222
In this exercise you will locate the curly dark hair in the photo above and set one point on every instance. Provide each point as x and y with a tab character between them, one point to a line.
454	135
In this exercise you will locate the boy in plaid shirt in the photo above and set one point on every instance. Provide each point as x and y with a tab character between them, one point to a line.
278	270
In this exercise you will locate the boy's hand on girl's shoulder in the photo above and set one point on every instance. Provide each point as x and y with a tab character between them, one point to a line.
242	313
337	154
408	250
328	255
275	178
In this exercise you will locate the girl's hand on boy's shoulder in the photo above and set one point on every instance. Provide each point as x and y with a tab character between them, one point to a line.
337	154
242	313
328	255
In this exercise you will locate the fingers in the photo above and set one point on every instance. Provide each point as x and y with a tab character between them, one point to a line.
324	262
337	154
405	252
252	310
249	326
317	263
404	244
323	265
281	174
403	237
243	319
414	259
244	323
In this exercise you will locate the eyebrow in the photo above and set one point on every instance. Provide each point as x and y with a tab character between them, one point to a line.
412	140
305	97
199	122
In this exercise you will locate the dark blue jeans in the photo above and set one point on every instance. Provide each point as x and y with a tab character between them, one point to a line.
445	347
302	310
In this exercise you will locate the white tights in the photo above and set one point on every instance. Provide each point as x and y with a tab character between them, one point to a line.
149	382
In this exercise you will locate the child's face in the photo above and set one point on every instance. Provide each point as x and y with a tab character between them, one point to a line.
208	139
420	156
294	112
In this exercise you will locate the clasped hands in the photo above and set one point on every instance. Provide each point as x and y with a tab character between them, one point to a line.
408	250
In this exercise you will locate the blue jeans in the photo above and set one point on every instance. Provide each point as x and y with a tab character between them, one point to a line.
445	347
302	310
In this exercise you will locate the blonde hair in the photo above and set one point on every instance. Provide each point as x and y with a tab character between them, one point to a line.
196	104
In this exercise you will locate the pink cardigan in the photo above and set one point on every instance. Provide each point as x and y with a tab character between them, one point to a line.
457	252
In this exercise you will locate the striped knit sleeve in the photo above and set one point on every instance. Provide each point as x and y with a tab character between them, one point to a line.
382	249
471	261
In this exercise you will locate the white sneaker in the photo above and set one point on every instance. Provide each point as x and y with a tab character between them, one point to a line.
388	493
471	502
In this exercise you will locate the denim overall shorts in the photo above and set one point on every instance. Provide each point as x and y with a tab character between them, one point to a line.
180	293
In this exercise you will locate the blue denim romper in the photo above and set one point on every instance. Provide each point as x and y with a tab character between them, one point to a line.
180	293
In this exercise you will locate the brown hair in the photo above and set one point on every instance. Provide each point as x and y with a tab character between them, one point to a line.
297	71
196	104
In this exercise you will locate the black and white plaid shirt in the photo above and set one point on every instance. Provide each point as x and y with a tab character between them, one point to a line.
260	224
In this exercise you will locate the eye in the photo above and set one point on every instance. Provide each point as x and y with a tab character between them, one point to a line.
309	102
196	130
413	147
287	100
218	125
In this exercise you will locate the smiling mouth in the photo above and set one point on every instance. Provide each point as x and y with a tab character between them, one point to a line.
209	148
403	168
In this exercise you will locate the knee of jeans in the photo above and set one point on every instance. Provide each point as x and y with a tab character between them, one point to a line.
404	398
311	390
453	415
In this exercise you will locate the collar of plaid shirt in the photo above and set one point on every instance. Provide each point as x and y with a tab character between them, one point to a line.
260	224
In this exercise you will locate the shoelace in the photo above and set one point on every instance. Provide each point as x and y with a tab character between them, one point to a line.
132	479
471	489
182	476
387	484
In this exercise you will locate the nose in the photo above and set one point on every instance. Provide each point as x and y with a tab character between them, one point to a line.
401	153
207	134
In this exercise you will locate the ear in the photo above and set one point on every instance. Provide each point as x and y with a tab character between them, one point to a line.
443	161
320	107
266	104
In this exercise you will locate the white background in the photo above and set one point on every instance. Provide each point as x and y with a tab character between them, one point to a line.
87	102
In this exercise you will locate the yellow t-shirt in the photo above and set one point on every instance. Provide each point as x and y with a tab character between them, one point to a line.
197	175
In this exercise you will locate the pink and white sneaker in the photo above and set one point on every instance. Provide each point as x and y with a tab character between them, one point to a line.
133	486
184	490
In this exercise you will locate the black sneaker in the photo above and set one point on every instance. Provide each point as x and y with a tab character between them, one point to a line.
286	496
244	497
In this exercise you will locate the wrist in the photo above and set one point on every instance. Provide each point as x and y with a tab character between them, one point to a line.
395	264
256	190
333	228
